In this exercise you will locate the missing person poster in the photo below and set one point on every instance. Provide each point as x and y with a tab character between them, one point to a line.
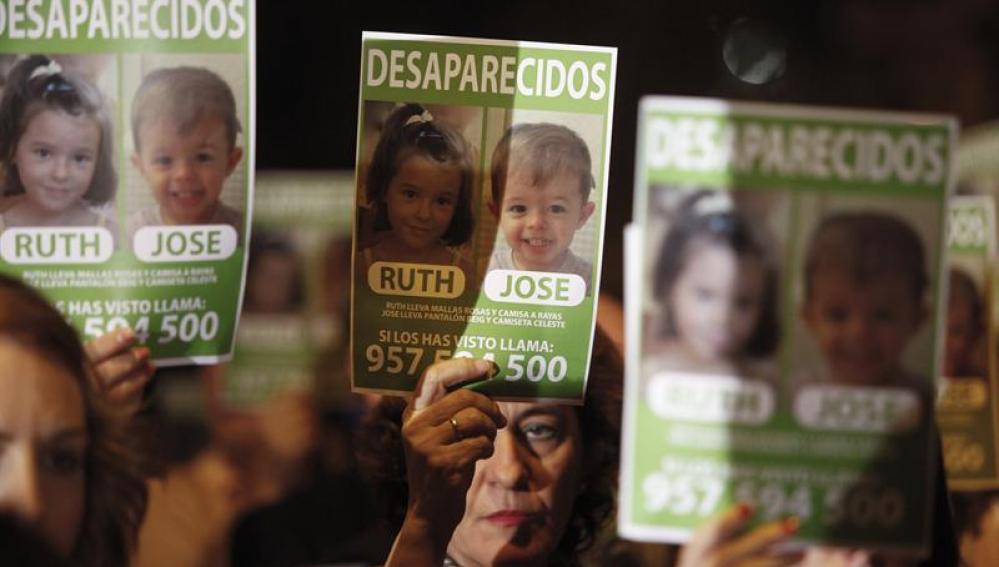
481	191
126	136
784	345
966	404
296	302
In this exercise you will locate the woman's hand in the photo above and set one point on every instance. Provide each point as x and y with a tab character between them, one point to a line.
122	370
444	434
722	542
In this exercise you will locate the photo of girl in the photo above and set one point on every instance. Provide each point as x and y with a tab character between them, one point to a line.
418	190
56	164
964	345
716	293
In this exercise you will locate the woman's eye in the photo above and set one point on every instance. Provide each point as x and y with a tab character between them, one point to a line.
539	432
63	461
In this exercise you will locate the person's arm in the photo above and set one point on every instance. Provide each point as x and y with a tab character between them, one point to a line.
444	434
121	369
723	541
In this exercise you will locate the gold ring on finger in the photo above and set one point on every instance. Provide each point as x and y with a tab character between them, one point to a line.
454	427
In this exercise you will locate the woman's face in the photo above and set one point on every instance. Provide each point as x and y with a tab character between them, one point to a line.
43	445
521	498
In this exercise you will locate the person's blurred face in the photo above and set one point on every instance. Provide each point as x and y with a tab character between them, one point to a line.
862	328
43	445
270	286
961	335
716	301
520	499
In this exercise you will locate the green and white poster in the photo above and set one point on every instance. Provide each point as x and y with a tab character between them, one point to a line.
481	191
783	337
126	140
966	403
295	307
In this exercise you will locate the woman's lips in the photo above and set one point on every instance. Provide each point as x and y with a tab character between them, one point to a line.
509	518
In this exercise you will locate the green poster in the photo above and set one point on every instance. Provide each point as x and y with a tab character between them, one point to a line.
481	192
966	403
295	306
784	281
126	182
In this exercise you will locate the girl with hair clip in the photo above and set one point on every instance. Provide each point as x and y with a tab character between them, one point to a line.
718	292
55	148
419	186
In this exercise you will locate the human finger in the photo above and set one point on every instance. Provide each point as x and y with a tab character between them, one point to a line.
457	401
436	379
128	391
464	453
109	344
758	542
468	423
128	365
721	528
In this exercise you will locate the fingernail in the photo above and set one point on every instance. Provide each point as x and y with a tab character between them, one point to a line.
790	524
494	369
125	335
745	511
141	353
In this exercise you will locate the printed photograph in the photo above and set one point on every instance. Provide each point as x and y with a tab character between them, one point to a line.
57	147
185	140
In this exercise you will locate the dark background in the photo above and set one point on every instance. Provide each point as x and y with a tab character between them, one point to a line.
928	55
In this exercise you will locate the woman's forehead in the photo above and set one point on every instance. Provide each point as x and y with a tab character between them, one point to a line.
516	410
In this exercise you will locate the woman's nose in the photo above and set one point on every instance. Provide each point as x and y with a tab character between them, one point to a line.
20	492
507	466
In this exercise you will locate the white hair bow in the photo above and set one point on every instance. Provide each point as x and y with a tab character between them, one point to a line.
424	116
52	68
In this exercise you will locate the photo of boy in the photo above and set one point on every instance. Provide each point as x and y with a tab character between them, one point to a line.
184	128
865	286
541	182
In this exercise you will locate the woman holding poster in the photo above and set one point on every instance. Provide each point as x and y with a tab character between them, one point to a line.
520	483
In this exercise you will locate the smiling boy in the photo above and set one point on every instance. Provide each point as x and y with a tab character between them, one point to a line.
865	286
184	127
541	184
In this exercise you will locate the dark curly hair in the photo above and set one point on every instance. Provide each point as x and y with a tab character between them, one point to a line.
116	496
381	454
